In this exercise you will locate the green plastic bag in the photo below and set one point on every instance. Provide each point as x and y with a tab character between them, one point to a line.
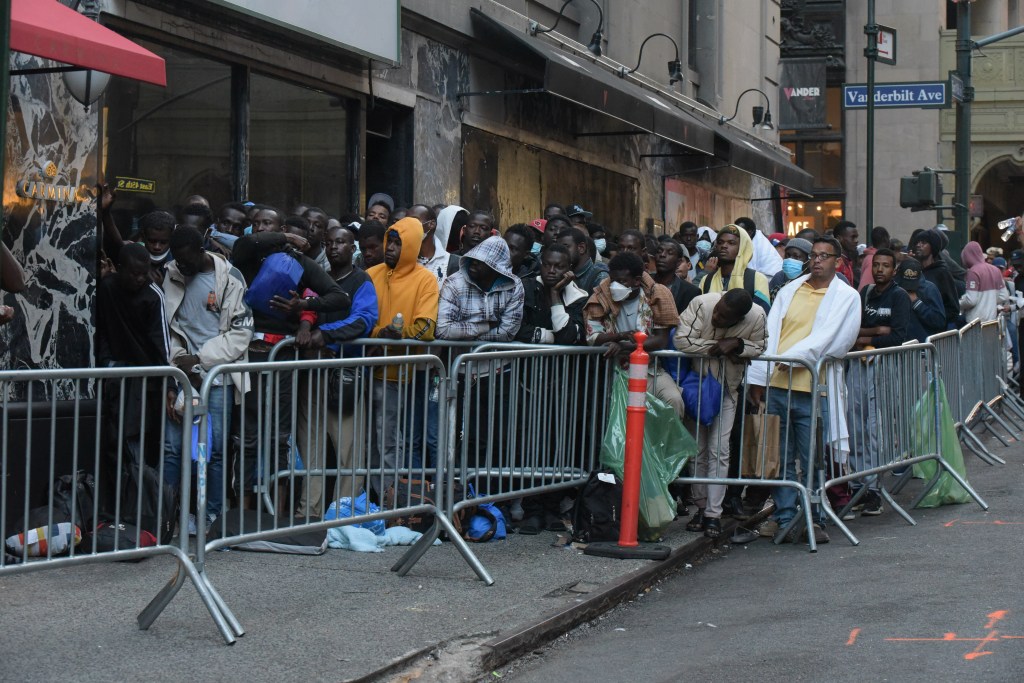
946	491
667	447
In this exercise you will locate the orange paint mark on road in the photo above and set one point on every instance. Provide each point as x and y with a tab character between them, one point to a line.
853	636
995	522
977	651
950	523
994	617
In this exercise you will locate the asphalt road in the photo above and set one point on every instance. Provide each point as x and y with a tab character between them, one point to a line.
942	601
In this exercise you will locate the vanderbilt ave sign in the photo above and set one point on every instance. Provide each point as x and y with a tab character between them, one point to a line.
914	95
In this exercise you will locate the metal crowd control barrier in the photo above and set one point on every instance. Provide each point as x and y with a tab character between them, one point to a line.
83	452
524	422
980	352
371	420
994	363
884	410
738	449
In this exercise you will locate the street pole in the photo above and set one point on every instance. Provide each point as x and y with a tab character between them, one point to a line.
871	52
5	78
962	164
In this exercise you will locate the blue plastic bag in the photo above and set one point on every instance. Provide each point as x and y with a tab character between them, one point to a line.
702	396
345	507
487	518
279	274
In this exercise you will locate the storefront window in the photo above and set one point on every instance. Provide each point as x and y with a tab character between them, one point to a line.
162	145
296	146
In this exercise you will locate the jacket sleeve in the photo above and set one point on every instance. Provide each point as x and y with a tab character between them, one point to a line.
231	344
900	322
156	327
929	311
331	297
423	325
762	297
528	328
449	315
756	339
573	332
361	318
691	325
511	317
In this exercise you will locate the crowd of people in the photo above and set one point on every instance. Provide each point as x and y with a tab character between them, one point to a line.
206	288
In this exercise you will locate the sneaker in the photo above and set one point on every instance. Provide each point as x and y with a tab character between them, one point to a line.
768	528
819	534
850	514
799	535
873	505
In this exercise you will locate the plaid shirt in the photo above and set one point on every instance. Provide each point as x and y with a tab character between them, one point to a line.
467	312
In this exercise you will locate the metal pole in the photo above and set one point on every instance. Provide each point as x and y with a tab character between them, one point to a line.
871	52
5	78
963	120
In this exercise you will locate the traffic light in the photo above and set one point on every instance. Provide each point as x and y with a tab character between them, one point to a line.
921	191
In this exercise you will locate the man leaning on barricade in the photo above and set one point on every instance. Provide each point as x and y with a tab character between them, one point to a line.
885	322
815	316
730	329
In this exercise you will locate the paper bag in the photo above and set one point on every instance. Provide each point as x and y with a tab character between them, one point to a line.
760	446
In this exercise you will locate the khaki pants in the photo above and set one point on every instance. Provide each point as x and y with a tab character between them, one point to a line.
316	426
664	388
713	458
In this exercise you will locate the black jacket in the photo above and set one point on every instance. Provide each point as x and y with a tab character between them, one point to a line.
131	327
889	308
537	317
939	275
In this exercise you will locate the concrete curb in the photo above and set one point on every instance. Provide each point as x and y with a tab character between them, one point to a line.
526	637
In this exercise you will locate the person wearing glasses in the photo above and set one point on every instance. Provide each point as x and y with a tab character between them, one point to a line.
815	316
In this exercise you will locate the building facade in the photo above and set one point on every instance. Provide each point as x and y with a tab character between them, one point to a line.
435	102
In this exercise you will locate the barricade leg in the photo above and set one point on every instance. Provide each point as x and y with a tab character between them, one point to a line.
944	466
977	447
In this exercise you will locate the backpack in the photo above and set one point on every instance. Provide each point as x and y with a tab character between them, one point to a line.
279	274
597	512
159	502
748	282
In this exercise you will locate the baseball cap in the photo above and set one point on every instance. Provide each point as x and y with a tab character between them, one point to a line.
777	238
577	210
1017	256
999	262
908	275
538	224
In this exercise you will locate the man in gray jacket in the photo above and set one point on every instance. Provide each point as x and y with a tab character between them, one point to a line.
210	324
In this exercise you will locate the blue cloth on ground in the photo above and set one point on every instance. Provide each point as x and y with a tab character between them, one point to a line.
365	541
345	507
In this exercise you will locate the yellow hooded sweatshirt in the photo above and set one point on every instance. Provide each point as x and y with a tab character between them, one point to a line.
409	288
743	257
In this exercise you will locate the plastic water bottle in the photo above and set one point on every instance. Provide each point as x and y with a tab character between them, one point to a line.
1007	228
398	323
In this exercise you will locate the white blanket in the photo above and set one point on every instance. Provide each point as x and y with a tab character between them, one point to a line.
835	330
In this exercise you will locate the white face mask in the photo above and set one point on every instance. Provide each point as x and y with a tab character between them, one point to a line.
600	245
620	292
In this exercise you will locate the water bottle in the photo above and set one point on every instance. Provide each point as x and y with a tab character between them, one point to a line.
398	323
1007	228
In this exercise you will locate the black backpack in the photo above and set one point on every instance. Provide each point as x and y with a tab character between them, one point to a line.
156	506
598	509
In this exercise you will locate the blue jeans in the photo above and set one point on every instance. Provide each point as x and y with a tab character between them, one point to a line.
417	430
221	401
795	429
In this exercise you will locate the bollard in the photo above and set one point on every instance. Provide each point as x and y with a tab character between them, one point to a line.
636	412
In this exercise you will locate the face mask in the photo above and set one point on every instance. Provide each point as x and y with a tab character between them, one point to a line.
792	268
161	258
535	249
620	292
704	247
601	245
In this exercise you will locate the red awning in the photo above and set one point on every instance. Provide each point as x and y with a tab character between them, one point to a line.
46	28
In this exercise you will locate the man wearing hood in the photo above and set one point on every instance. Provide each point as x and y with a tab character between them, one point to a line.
728	269
986	291
765	258
925	301
433	255
484	300
926	246
407	289
630	301
958	272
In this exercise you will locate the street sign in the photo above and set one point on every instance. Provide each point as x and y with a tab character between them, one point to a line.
912	95
886	45
956	87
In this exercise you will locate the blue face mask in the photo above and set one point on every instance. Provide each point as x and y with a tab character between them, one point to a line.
704	247
792	268
535	249
600	245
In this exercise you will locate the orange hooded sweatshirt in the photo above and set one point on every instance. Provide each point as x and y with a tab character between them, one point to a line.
408	288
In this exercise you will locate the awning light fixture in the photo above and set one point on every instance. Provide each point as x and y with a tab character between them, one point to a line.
595	40
762	117
675	67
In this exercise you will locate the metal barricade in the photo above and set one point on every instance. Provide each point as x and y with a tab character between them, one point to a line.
980	352
524	422
90	472
885	414
995	362
768	449
369	411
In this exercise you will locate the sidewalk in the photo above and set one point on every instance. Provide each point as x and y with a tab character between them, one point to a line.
343	615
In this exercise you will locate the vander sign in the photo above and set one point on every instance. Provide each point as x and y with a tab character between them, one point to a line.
913	95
